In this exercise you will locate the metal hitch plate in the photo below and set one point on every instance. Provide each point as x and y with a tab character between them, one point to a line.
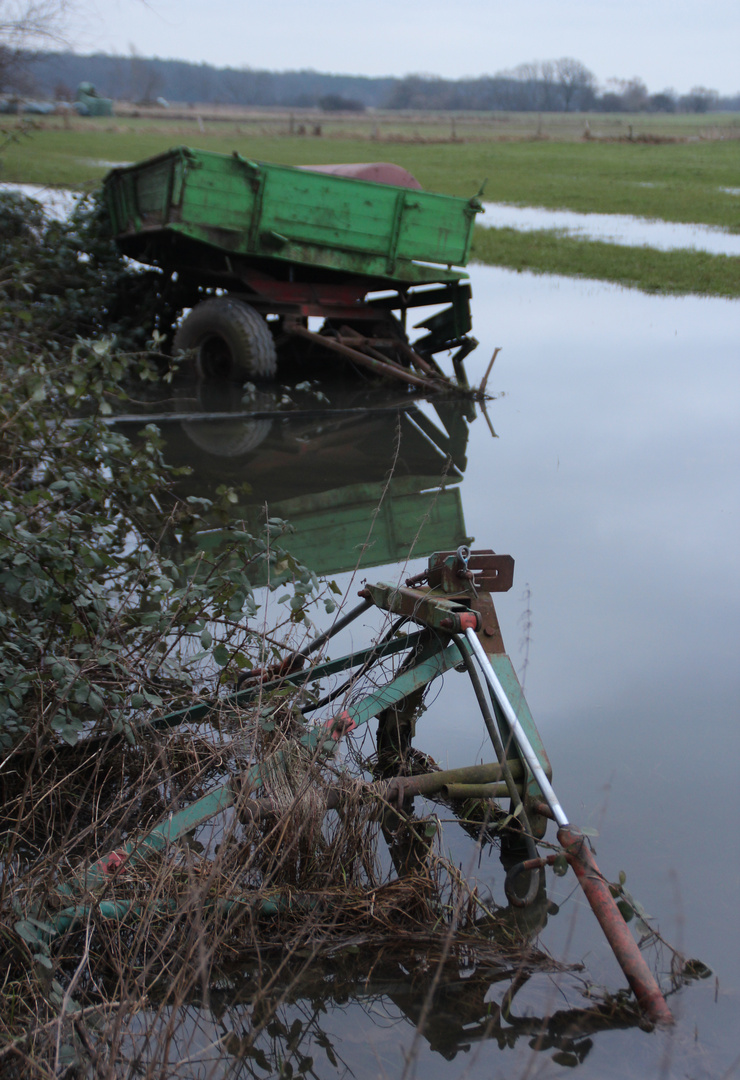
491	572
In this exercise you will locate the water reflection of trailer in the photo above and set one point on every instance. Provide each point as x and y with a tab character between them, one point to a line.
282	244
361	486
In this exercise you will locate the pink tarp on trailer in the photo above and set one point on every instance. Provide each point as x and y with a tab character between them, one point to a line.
381	172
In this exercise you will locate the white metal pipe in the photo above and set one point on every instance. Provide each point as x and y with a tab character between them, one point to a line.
520	735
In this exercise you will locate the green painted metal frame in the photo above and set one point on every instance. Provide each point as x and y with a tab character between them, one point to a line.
433	659
504	669
192	714
258	210
433	655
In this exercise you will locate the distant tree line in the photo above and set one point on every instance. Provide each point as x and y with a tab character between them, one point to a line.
564	85
138	79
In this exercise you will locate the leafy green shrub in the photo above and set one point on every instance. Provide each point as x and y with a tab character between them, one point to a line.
109	601
66	279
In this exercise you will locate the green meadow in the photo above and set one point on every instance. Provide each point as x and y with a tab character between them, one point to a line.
676	169
670	272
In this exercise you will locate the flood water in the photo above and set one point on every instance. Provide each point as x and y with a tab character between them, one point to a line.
58	202
614	228
613	481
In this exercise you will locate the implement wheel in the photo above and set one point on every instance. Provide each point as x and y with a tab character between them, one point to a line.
224	338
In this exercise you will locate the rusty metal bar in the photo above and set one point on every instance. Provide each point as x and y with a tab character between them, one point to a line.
618	934
434	372
479	791
384	367
484	380
431	367
372	344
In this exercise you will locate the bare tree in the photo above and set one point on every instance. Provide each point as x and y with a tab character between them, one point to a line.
577	83
632	92
29	22
548	76
146	81
666	101
542	83
25	25
700	100
529	75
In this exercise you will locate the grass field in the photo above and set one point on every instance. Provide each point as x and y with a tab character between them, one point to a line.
670	272
677	181
687	170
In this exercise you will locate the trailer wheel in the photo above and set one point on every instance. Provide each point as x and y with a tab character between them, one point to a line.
224	338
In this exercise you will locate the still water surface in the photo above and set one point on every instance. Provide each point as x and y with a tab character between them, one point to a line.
614	228
613	481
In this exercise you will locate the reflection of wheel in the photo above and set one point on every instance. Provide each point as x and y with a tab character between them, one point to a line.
223	437
225	339
227	438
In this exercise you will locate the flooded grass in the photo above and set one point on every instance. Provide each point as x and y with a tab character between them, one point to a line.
687	179
547	251
622	229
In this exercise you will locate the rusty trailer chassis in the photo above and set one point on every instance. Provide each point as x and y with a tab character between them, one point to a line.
367	330
456	628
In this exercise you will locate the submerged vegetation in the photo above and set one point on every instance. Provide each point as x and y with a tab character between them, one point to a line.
546	251
105	587
114	606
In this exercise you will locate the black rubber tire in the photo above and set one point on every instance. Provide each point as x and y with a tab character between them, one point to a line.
224	338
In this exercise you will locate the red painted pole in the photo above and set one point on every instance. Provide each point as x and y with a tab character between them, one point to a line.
618	934
590	878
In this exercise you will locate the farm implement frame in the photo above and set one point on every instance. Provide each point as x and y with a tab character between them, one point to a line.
454	627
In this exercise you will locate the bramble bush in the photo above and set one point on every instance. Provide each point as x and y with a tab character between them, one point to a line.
109	604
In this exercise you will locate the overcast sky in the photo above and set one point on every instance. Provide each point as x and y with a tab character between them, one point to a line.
668	43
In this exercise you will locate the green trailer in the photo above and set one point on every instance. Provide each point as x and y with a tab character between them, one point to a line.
257	249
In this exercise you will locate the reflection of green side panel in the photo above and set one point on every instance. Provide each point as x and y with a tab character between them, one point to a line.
339	530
